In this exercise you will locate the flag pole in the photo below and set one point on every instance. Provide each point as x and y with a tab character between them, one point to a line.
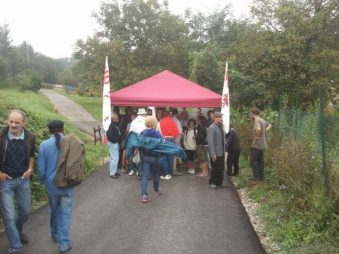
106	105
225	102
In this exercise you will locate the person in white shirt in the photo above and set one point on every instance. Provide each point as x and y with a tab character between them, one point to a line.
137	126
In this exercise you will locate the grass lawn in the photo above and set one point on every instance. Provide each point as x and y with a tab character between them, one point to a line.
39	112
92	104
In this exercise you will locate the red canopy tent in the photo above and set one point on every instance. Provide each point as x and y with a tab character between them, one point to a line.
166	89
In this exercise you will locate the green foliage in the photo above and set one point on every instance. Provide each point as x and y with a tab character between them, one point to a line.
16	62
39	112
207	70
28	81
299	210
141	38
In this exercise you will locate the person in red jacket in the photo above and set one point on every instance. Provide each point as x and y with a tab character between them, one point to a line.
169	130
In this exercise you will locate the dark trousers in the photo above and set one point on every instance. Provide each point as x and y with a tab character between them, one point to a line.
217	172
257	163
233	162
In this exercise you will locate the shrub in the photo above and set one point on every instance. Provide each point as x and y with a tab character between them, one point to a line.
297	166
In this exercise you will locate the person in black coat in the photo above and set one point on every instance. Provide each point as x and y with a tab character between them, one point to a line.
232	146
114	138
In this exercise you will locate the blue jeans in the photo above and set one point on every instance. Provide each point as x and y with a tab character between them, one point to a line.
167	163
60	221
113	158
149	163
20	190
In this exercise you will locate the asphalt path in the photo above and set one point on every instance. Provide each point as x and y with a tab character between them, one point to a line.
72	111
188	218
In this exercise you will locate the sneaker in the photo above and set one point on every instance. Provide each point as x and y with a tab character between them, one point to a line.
157	193
66	251
191	171
24	238
213	186
118	174
168	177
144	199
162	177
176	173
131	173
14	250
114	176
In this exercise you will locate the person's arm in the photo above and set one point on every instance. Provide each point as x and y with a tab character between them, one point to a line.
211	143
30	168
41	164
4	176
29	171
268	126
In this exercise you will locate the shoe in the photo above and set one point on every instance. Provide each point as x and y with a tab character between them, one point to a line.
124	171
114	176
66	251
118	174
213	186
131	173
202	175
144	199
162	177
24	238
191	171
176	173
157	193
14	250
168	177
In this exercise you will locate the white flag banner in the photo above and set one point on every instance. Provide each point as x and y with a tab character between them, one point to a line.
225	103
106	103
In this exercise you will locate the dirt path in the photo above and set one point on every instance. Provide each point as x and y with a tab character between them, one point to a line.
72	111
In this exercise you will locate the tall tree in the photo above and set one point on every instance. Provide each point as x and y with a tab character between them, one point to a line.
293	49
140	38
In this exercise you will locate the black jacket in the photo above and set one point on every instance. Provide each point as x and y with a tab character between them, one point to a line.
201	135
234	140
113	133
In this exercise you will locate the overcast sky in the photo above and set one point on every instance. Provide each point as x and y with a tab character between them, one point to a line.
53	26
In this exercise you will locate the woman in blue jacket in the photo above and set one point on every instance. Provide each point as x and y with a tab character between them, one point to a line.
150	160
60	199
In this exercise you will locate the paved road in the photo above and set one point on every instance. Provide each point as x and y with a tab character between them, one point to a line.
108	217
72	111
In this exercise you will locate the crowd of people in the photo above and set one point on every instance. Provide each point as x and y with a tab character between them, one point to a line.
198	139
201	135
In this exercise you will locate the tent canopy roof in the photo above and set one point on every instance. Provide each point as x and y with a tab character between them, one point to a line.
166	89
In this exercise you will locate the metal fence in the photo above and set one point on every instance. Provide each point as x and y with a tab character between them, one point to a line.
319	128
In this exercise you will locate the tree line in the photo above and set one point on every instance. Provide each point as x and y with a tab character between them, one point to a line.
284	52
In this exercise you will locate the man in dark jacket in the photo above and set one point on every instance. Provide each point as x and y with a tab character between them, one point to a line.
233	152
114	139
16	166
216	148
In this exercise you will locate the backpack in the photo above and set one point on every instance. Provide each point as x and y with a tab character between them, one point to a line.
71	163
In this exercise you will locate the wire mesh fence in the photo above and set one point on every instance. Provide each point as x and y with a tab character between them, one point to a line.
318	128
